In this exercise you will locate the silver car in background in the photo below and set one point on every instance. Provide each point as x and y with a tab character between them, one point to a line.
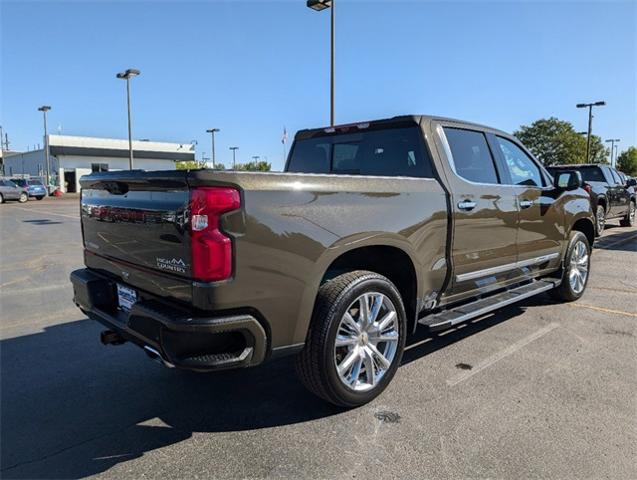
11	191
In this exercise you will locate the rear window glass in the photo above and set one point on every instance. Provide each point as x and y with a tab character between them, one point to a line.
35	182
19	181
389	152
471	155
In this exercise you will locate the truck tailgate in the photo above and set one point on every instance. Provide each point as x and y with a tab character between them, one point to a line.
139	219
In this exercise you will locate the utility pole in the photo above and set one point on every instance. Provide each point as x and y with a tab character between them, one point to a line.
44	109
612	145
212	132
319	5
127	75
590	124
234	157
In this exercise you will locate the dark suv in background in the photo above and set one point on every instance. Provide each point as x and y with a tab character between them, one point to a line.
612	193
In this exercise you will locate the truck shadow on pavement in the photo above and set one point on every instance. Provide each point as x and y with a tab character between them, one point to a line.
617	238
73	408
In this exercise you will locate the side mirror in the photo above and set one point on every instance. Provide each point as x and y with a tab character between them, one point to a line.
632	182
568	180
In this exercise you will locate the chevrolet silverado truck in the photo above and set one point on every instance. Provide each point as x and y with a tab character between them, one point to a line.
612	194
373	230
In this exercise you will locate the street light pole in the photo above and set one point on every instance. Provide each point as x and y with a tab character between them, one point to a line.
590	123
319	5
127	75
212	132
612	145
234	158
44	109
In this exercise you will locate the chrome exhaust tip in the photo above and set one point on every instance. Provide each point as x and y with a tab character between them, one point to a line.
156	356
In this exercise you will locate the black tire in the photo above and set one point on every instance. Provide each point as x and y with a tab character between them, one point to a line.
566	292
39	198
600	220
23	198
316	364
629	219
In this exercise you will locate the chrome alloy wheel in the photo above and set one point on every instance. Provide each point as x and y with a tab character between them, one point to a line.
366	341
578	268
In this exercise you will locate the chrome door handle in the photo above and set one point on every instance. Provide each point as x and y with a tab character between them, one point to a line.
466	205
525	203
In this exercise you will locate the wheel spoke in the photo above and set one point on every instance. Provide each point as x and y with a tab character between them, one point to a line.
370	368
384	337
363	316
349	321
386	320
345	364
377	302
379	356
356	370
583	260
344	341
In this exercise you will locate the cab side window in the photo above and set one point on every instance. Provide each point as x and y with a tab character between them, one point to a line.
522	168
472	158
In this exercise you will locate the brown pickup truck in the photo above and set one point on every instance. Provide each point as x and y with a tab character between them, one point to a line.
373	230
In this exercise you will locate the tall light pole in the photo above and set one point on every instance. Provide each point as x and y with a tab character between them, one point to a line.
319	5
234	157
212	132
612	145
44	109
590	123
255	158
127	75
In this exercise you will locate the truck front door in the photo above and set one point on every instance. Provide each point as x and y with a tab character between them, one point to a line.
541	222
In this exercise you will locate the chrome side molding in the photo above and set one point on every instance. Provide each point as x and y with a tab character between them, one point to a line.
463	277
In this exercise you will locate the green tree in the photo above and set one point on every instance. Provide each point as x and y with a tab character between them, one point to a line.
627	162
195	165
188	165
556	142
254	166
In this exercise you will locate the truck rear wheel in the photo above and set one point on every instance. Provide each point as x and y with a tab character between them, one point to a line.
575	272
356	339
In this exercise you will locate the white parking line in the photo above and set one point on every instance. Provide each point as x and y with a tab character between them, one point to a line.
28	291
76	217
501	354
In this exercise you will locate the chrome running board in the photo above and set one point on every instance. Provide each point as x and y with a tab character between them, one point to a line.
452	316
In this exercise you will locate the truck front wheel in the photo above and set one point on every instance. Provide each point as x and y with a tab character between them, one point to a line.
629	219
356	339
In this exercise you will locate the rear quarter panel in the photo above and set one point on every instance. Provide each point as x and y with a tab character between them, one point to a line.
293	226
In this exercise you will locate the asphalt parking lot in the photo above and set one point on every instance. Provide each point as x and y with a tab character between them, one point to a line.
536	390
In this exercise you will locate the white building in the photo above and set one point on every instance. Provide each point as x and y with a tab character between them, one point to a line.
71	157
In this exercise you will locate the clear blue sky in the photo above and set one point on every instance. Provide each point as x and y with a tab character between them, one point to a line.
250	68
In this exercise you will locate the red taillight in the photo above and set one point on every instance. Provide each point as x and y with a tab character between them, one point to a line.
211	250
588	188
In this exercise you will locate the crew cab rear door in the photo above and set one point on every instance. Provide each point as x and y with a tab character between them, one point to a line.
485	212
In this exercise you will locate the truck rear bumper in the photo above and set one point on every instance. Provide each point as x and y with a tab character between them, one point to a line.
182	340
